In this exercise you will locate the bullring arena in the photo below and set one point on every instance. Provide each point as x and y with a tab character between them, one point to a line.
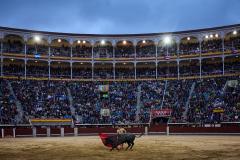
158	142
147	147
60	90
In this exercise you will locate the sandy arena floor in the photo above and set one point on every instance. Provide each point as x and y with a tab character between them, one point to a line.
147	147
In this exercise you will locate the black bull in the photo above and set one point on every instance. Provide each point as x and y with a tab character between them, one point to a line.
116	140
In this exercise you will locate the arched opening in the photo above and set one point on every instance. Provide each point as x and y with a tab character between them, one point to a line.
14	67
37	47
13	44
211	44
189	46
60	69
60	47
167	69
103	49
167	48
146	70
189	67
232	42
212	66
103	70
146	48
36	68
124	49
82	70
232	64
124	70
82	48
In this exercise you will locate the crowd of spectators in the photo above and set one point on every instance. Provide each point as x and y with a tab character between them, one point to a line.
13	46
209	66
213	45
177	93
103	51
122	73
189	48
13	69
121	102
148	49
215	100
124	51
42	99
8	109
167	50
146	72
211	100
232	44
82	51
61	51
37	49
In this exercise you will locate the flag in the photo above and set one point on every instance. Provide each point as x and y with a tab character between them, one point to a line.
234	51
37	56
167	57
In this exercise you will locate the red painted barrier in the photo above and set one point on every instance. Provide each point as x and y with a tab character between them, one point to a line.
68	131
173	129
41	131
157	128
24	131
8	132
55	131
177	129
96	130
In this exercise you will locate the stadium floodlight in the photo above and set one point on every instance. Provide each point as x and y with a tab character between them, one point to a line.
59	40
124	42
37	38
234	32
78	41
216	35
143	41
84	42
102	42
188	38
206	36
167	40
211	36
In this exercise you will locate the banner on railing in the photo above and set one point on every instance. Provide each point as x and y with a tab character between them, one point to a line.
105	112
218	110
103	88
161	113
50	121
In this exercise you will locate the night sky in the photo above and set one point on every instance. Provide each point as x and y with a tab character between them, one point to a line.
118	16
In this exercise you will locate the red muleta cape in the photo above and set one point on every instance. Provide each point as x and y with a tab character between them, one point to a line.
103	137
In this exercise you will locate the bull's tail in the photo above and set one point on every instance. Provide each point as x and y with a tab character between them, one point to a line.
138	136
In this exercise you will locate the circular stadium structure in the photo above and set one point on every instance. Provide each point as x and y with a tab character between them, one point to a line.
188	78
50	55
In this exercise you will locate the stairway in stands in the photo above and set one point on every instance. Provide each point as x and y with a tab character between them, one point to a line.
164	93
70	98
188	100
139	103
19	117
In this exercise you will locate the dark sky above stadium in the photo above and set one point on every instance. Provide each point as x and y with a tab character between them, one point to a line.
118	16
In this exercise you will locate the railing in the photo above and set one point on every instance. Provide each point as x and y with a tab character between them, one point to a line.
131	58
125	79
27	130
